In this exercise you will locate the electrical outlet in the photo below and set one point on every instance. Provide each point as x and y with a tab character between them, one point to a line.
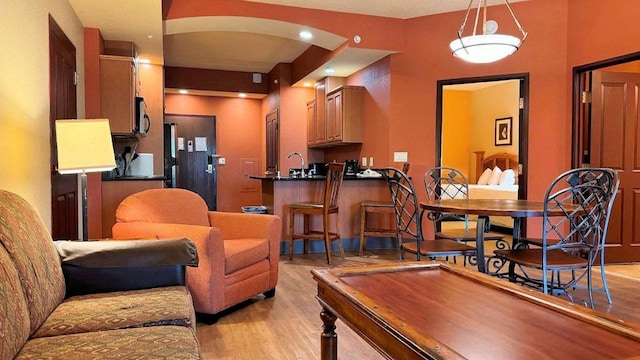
363	163
400	156
222	161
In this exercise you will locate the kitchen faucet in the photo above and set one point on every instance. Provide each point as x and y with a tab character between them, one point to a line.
301	162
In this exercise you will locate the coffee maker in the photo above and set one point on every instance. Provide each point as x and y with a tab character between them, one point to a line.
351	167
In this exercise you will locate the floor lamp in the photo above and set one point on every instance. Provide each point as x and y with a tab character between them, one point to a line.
84	146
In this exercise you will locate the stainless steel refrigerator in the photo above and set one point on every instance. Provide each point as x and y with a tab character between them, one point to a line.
170	155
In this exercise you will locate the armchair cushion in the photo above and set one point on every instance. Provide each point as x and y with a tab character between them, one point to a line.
242	253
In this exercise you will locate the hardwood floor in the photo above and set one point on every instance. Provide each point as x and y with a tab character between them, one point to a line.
288	326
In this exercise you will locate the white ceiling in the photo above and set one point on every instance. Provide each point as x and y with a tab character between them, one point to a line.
400	9
238	43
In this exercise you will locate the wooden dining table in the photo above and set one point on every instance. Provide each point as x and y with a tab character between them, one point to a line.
484	209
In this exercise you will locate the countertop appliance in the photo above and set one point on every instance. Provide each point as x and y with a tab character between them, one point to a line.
319	169
351	167
142	165
143	123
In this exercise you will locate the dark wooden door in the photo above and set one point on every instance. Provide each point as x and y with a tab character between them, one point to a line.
615	143
62	95
197	156
273	141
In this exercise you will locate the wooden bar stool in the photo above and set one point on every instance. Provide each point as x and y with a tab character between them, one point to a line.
328	206
376	207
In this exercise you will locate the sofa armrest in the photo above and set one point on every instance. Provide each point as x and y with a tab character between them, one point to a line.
211	268
131	253
106	266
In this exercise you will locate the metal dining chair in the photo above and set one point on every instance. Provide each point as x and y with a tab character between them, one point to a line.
569	242
609	180
450	183
409	222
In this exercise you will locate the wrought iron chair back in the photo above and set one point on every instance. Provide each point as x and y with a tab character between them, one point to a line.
409	222
405	201
582	196
446	183
609	180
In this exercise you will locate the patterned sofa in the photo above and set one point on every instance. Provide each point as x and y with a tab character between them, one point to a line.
40	320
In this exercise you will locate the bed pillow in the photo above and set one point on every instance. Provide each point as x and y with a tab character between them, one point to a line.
484	178
508	177
495	176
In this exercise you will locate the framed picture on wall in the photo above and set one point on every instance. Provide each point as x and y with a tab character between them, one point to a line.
503	131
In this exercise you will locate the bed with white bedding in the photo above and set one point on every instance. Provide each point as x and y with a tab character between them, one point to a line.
496	179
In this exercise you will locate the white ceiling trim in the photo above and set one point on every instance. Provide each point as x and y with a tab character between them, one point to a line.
399	9
283	29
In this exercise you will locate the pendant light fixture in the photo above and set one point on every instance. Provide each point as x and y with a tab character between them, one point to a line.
488	46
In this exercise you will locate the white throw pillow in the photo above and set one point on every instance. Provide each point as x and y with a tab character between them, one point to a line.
495	176
484	178
508	177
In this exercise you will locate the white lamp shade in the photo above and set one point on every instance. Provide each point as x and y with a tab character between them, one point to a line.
485	48
84	146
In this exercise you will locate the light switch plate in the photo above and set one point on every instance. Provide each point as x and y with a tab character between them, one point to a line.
400	156
222	161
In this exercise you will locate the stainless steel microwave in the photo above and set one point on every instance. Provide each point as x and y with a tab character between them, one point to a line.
143	123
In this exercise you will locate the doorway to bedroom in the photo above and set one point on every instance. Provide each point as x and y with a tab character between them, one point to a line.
482	123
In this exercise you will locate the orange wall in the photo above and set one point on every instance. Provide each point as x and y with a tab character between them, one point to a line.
456	130
427	59
400	105
238	136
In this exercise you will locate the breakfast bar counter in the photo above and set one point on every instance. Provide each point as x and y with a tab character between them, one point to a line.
278	193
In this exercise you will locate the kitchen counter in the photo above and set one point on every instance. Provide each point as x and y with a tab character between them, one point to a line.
278	193
134	178
312	178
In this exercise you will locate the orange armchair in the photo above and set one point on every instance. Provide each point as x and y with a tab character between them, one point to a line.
238	252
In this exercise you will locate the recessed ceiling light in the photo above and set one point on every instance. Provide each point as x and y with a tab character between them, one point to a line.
242	95
306	84
329	70
183	91
150	36
306	35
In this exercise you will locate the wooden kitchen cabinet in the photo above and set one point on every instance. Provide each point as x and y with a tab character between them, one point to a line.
319	129
344	115
311	123
117	93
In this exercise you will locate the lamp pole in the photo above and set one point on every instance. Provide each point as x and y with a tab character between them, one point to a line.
85	216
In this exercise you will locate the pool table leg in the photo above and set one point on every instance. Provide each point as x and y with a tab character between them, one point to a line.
329	338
